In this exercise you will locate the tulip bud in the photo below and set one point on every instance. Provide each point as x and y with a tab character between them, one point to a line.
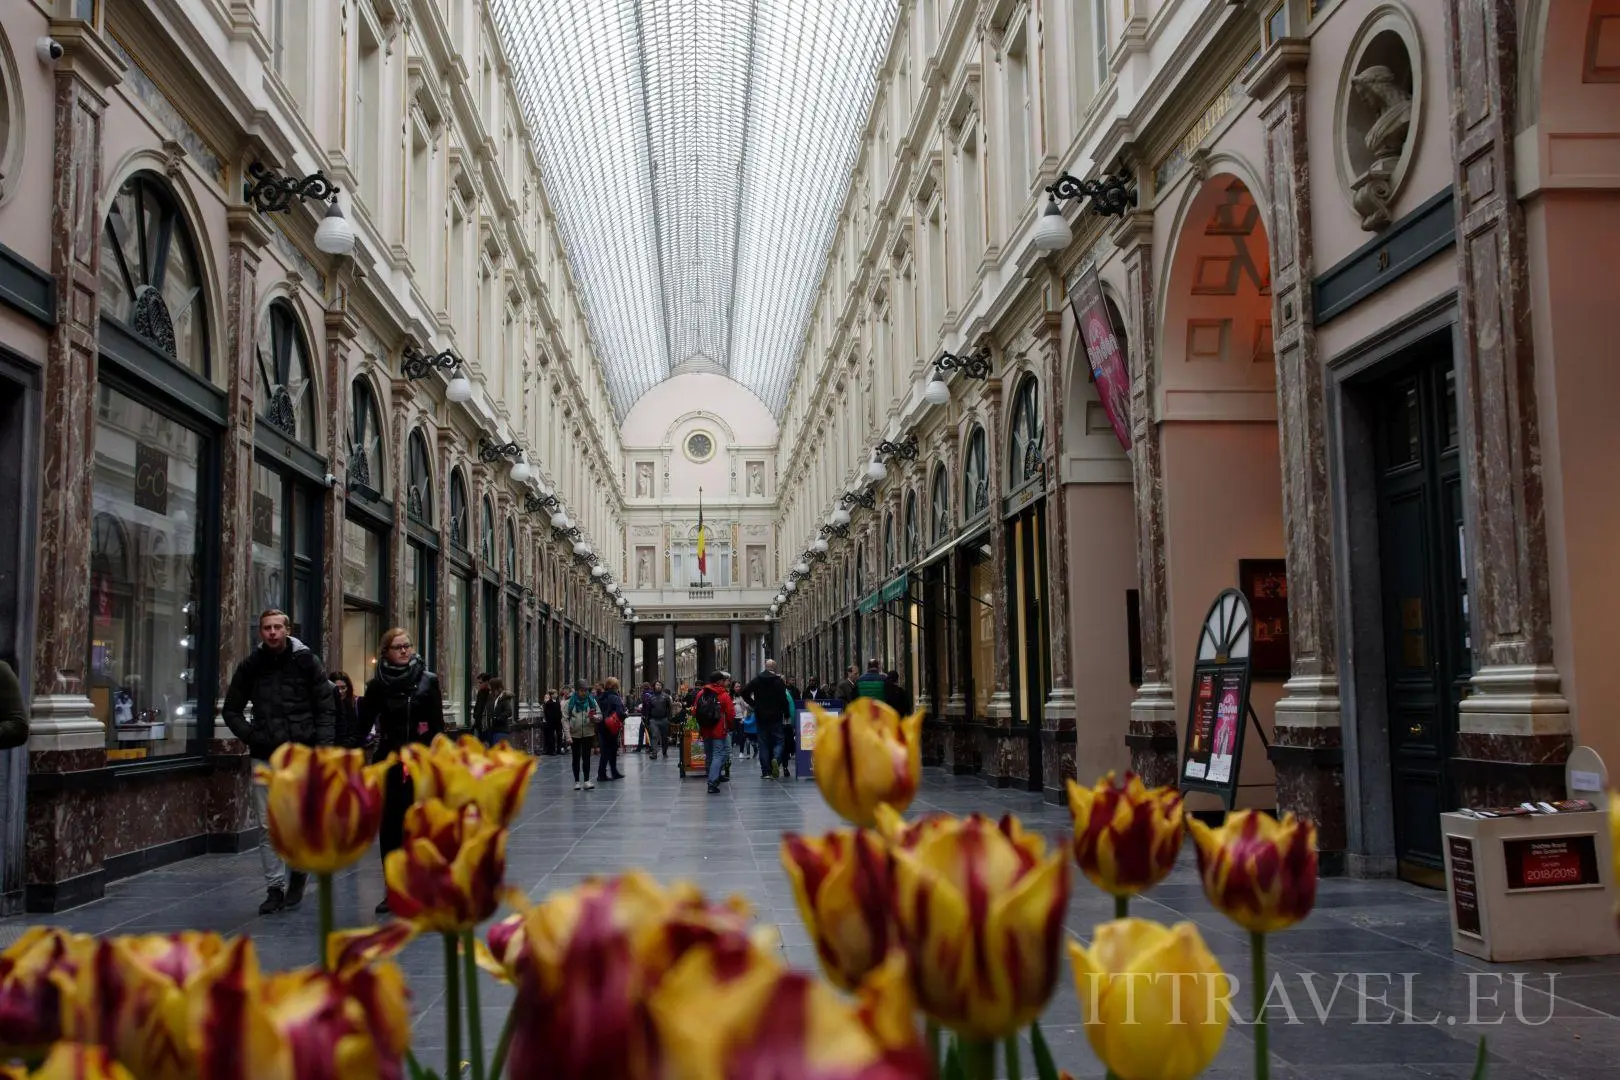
842	885
465	772
979	908
1152	999
447	874
33	970
1260	872
1126	839
867	756
324	804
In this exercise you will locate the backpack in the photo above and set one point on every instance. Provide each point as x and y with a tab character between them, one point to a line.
707	708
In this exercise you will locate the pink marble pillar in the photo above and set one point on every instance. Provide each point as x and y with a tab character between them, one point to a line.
341	329
444	461
1006	748
1058	714
399	398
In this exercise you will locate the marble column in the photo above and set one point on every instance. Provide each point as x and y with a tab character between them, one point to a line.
1005	743
401	583
63	818
650	668
1306	750
1058	715
667	662
1152	735
736	661
341	330
442	630
1514	729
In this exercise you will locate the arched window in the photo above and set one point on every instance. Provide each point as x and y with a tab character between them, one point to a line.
913	528
486	541
511	551
860	572
283	392
940	508
458	511
419	478
365	438
150	278
1026	452
976	475
888	543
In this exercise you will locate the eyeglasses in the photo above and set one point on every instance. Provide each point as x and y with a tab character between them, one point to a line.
399	646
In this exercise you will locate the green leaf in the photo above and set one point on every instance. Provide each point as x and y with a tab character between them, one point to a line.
417	1070
1479	1060
953	1064
1045	1067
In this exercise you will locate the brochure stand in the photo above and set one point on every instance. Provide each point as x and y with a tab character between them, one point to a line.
803	759
1212	753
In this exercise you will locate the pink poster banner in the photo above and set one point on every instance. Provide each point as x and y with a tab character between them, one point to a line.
1104	353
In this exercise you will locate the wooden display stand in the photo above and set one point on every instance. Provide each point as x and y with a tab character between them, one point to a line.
692	760
1530	888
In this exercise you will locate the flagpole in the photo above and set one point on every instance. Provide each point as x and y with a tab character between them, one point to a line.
703	570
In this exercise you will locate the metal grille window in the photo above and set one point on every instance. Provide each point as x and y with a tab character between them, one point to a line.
486	539
976	475
419	476
150	279
284	395
1024	462
459	535
941	505
365	438
913	528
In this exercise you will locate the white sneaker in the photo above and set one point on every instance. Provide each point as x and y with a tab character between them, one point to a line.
589	786
576	785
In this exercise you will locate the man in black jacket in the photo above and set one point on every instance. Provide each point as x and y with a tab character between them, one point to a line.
767	693
292	702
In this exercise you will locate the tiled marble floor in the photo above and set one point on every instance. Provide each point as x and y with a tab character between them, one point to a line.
1395	933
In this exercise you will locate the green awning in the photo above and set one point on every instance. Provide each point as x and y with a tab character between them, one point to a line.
891	590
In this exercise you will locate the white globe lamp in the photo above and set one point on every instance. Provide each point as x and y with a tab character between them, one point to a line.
460	389
521	473
877	470
936	392
819	544
1052	232
840	517
335	235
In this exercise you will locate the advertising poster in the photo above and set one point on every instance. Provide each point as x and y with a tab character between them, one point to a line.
802	762
1104	353
1202	734
695	757
1228	715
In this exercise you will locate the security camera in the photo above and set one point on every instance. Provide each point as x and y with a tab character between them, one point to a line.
49	49
331	480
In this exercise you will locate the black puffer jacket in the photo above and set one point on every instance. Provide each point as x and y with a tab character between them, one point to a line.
292	699
767	693
400	717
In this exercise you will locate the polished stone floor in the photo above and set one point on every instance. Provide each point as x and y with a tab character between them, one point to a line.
1407	1006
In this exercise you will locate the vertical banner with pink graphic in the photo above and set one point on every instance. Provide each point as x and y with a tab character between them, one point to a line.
1104	352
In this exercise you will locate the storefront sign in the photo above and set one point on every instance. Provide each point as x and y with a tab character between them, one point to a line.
1218	711
1548	862
1464	886
151	478
1104	353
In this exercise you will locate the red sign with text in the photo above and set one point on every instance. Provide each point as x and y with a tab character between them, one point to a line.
1551	861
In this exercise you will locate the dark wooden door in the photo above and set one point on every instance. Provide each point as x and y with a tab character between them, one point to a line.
1425	599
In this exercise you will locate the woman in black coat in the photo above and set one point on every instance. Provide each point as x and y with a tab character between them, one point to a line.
404	700
350	735
611	705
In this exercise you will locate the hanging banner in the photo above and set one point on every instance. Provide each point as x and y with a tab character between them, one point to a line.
1105	353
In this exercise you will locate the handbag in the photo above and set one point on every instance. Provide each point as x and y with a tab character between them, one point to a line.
614	723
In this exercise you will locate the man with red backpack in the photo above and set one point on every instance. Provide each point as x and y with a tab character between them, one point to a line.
711	707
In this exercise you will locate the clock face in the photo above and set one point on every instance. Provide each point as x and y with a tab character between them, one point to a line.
699	446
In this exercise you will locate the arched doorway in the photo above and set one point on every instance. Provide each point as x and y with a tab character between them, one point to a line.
1029	650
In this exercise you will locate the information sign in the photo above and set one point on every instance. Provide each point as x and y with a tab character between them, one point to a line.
1212	753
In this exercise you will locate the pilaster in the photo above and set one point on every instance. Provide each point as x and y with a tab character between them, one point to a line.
1006	748
1058	714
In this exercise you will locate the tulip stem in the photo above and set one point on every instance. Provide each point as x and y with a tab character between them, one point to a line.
1262	1047
475	1019
978	1058
933	1047
499	1061
452	1012
1011	1046
1122	907
323	885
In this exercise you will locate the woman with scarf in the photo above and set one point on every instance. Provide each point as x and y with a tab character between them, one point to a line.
404	701
610	730
581	713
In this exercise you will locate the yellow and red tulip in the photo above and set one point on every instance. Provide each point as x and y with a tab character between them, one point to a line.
846	898
325	804
71	1061
1126	837
1260	872
37	972
447	874
465	772
979	907
508	949
1153	999
867	756
348	951
594	954
759	1018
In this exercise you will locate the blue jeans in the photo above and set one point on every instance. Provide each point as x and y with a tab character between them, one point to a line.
715	752
770	744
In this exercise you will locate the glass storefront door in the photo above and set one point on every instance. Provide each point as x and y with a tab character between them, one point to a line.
459	625
365	577
286	532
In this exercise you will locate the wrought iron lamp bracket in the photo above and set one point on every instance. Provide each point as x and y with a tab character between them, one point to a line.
491	452
1111	195
974	365
270	192
907	449
414	364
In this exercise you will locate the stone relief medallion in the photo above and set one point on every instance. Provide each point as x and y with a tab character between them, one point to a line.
1377	114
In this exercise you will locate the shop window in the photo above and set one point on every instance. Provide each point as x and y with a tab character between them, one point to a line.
12	138
976	475
419	480
284	394
149	642
940	505
459	536
150	278
1024	459
366	471
365	578
458	687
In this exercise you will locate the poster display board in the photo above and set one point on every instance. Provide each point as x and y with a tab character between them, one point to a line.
1212	752
693	760
803	765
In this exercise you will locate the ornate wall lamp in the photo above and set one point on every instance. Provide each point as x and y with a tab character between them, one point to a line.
1111	195
490	452
269	192
906	450
546	500
864	499
415	364
974	365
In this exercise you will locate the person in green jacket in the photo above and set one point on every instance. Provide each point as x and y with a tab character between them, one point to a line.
874	684
581	714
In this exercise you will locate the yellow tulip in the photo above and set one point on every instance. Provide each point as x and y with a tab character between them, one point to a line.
979	909
325	804
465	772
1260	872
133	997
1152	999
846	898
447	874
758	1018
37	973
867	756
71	1061
1126	838
594	955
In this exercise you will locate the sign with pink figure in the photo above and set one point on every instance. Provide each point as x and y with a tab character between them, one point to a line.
1105	354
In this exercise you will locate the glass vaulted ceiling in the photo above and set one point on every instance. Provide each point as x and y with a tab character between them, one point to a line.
696	153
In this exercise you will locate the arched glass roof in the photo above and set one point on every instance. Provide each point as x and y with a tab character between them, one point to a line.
696	153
